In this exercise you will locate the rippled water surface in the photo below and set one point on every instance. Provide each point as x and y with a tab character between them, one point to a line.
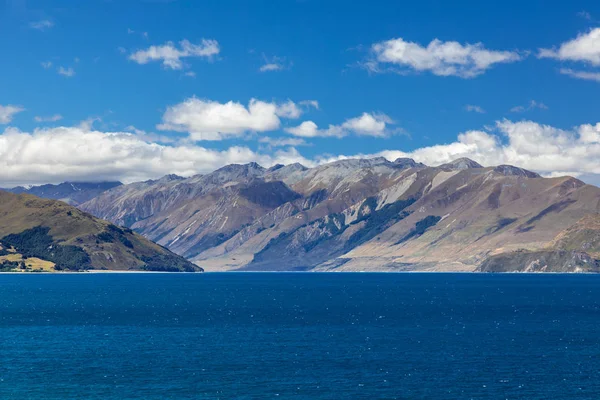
299	336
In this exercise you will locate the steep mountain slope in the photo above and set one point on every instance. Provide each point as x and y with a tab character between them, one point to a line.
474	216
194	214
73	193
135	202
365	214
69	239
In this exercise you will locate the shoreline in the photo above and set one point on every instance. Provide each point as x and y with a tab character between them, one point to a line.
293	272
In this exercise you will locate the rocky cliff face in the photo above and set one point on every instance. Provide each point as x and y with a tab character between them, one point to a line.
369	214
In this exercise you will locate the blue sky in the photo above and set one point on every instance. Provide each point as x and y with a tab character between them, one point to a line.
323	51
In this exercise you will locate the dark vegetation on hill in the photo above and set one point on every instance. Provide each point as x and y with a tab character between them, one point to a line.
36	242
69	239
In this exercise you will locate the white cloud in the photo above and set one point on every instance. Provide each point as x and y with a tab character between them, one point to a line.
211	120
531	106
288	109
310	129
585	47
51	118
473	108
70	153
46	64
171	56
542	148
367	124
87	124
271	67
41	25
7	113
440	58
274	64
587	75
68	72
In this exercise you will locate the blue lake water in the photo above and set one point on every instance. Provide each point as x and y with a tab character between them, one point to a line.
299	336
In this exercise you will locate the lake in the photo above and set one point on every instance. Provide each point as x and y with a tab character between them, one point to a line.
299	336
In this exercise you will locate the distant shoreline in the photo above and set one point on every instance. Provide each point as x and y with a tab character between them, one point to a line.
294	272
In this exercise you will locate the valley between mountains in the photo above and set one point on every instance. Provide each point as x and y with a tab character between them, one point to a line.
365	215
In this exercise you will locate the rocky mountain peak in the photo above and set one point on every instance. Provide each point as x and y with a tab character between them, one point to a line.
404	162
169	178
251	169
460	164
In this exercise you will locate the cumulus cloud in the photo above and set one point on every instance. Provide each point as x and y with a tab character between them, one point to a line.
438	57
7	113
51	118
46	64
473	108
585	47
542	148
171	55
367	124
71	153
531	106
211	120
41	25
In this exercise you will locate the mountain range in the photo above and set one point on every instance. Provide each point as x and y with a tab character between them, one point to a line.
73	193
365	215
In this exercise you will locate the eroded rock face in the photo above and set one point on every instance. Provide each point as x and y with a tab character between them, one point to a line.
372	214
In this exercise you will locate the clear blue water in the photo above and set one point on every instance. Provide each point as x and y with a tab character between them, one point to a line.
299	336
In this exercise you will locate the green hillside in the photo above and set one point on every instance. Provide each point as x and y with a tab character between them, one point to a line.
64	238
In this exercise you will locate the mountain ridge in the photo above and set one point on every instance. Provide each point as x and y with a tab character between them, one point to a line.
360	215
73	193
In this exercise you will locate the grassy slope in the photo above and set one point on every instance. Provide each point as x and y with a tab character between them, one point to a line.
71	226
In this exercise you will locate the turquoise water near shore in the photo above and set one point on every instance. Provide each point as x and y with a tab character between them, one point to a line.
299	336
